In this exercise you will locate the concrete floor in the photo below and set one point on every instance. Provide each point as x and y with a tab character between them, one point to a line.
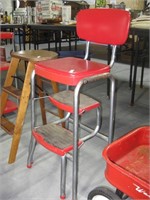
42	181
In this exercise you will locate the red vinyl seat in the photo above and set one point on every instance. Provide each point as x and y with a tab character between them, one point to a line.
101	26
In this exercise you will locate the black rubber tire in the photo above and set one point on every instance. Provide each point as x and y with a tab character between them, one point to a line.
102	192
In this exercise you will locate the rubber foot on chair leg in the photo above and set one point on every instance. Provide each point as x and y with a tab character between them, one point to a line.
29	166
62	197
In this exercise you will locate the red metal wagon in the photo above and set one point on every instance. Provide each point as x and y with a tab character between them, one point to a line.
127	167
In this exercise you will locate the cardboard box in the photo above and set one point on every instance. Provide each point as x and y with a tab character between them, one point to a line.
66	13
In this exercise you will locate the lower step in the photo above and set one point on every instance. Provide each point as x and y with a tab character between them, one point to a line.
7	126
55	138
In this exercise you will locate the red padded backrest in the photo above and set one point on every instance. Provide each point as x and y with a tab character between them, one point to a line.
6	35
103	25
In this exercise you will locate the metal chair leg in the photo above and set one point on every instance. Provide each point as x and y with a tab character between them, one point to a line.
142	72
63	177
31	152
112	109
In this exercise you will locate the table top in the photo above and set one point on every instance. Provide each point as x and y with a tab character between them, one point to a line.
59	27
141	25
141	22
145	24
12	25
140	28
56	26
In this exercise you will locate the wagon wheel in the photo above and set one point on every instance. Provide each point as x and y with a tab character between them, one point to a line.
102	193
121	194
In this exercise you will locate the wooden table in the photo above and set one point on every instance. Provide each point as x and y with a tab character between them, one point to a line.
139	30
32	30
53	34
19	30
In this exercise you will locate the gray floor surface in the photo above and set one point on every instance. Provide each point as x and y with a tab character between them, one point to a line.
42	181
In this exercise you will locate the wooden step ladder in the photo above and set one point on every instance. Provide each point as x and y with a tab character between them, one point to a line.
15	129
11	106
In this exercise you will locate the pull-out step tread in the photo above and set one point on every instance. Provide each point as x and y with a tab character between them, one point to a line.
7	125
64	100
13	91
56	138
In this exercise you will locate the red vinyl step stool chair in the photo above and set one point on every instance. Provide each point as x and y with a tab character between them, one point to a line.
101	26
4	66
